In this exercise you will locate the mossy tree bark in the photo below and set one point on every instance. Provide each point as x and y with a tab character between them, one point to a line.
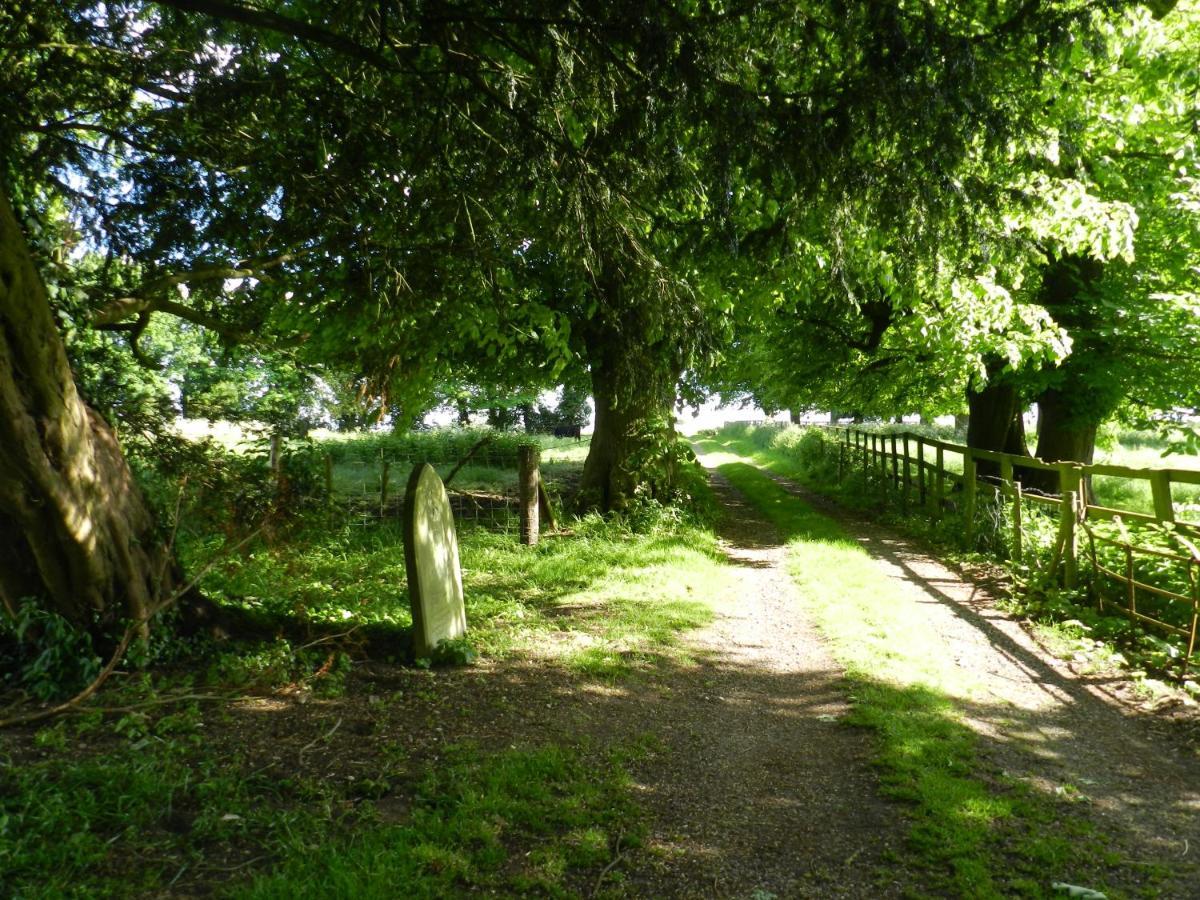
75	532
634	381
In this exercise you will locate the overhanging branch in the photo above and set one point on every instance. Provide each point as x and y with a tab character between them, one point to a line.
152	298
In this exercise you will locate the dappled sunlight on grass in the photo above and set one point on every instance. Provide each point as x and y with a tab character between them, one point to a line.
625	595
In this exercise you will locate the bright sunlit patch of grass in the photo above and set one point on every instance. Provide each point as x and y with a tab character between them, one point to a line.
631	594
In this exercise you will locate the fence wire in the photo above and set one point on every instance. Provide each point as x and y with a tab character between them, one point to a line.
482	492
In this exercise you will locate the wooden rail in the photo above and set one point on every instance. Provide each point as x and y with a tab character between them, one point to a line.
900	462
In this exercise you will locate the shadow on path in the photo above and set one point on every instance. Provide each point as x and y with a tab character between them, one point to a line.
1043	725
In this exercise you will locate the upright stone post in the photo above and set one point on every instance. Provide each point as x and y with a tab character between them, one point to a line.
431	563
527	481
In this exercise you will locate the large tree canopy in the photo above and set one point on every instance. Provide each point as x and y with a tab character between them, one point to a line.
408	191
1070	273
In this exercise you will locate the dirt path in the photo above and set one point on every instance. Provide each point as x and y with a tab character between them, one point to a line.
1040	722
762	789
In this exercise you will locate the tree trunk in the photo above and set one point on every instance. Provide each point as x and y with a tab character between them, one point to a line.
528	418
75	532
995	423
633	390
1064	435
1081	393
464	413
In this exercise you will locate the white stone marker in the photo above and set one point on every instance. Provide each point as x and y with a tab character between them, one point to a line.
431	559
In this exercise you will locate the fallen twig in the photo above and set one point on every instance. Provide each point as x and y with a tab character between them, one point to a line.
327	639
134	628
317	740
618	855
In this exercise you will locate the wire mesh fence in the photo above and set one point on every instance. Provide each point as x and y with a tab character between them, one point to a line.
483	490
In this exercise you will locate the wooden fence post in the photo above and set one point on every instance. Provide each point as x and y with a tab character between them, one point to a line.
907	479
969	497
527	480
1160	487
1070	545
939	484
1070	481
1016	552
1006	472
329	477
383	487
895	464
922	496
545	510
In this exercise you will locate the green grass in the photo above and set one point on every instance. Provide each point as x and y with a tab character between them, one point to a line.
626	595
358	461
154	805
566	813
974	833
108	796
121	804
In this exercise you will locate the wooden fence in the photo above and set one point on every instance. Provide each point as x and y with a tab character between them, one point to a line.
914	469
